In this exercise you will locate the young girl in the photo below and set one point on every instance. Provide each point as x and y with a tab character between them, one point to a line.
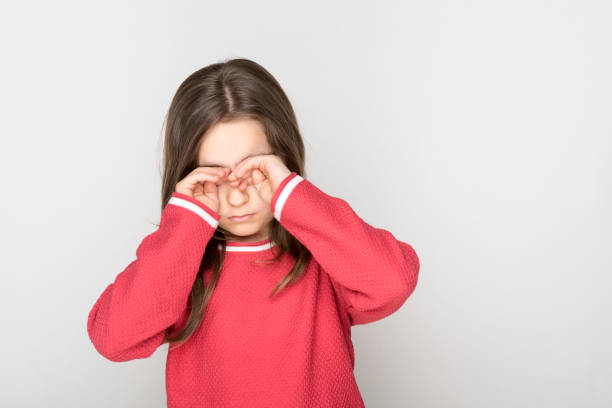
254	276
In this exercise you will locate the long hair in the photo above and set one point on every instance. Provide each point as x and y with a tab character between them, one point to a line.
232	89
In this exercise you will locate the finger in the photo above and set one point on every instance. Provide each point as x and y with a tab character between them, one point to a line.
242	167
210	188
257	176
196	178
211	170
236	181
201	177
250	163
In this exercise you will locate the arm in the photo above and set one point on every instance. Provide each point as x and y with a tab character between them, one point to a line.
131	316
372	272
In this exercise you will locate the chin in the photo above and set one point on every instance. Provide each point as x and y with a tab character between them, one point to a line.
243	229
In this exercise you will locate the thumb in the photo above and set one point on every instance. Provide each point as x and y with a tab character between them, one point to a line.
210	188
257	176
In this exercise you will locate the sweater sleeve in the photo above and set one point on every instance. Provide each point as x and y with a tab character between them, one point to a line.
372	272
131	316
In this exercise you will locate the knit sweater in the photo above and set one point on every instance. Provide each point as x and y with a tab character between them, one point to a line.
293	350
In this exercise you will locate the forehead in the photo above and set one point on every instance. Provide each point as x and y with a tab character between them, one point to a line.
228	143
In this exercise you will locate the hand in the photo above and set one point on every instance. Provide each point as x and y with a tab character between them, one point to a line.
201	184
265	172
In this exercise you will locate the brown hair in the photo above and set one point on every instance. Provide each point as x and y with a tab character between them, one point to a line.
224	91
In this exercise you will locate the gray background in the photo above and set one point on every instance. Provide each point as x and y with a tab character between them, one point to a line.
479	132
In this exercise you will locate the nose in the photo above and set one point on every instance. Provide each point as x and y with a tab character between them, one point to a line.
234	196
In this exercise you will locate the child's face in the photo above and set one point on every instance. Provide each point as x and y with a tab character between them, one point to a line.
225	145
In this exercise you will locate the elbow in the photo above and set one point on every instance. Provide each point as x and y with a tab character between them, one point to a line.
99	330
105	349
110	354
102	340
376	309
102	343
119	348
366	307
396	298
404	284
116	353
409	271
398	286
408	285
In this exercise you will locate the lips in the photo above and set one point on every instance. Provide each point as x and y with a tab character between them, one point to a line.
238	218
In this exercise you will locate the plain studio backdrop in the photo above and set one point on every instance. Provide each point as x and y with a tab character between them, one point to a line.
479	132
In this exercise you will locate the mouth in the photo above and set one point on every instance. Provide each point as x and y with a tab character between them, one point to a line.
238	218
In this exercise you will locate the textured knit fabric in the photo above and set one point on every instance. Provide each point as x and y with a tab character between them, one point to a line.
293	350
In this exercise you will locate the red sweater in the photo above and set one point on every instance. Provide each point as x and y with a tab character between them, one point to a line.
292	351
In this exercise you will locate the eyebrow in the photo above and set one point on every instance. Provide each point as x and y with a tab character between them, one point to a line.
244	158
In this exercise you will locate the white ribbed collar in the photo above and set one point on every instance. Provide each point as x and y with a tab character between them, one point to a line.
234	246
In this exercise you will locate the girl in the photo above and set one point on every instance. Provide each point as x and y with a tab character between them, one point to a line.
254	276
